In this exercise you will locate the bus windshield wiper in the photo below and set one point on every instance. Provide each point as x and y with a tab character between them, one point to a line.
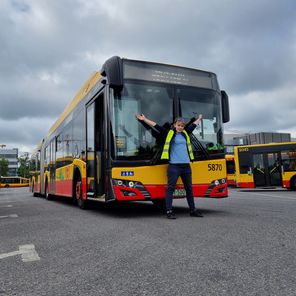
197	144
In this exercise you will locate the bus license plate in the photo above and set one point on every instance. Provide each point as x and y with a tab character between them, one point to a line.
179	192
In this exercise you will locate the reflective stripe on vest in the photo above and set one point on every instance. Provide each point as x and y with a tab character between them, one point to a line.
166	147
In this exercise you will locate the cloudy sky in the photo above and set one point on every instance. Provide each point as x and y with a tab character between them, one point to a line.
49	48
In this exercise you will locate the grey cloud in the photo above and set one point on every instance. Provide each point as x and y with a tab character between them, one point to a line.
49	48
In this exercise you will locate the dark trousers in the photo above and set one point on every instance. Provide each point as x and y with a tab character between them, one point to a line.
173	173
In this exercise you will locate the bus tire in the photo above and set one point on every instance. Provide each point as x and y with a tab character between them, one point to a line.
46	193
35	194
78	199
32	190
293	184
6	186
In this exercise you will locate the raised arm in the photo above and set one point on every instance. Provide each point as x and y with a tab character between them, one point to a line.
142	117
198	119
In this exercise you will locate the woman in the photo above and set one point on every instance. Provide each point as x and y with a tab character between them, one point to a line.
177	149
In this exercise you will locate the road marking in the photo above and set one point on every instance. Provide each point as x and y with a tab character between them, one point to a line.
8	206
270	196
9	216
27	252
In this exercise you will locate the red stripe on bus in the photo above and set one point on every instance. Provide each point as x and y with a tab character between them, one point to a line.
245	184
159	191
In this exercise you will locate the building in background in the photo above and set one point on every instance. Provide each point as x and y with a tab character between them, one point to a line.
232	140
11	155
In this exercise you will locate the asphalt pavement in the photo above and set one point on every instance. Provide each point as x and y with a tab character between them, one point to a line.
244	245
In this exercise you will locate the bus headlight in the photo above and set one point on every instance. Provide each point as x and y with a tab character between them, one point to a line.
216	182
131	184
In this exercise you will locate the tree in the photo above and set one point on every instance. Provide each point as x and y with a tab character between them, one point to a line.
24	166
3	167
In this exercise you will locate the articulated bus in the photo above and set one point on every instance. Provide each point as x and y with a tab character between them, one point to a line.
97	150
266	165
230	169
14	182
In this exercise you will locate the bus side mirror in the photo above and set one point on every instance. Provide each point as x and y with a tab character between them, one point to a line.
225	107
113	71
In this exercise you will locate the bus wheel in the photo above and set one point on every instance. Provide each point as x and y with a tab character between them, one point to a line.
46	193
34	193
82	204
6	186
293	184
159	203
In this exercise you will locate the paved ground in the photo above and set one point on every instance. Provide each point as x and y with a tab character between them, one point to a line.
245	245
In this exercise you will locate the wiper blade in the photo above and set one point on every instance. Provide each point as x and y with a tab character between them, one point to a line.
156	156
197	144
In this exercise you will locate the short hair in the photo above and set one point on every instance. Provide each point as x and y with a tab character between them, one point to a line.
180	119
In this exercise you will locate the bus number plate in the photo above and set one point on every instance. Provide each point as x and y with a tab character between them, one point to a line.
179	192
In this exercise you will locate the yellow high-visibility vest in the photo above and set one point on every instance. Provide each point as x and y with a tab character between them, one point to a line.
166	147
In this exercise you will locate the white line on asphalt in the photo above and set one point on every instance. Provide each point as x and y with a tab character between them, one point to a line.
8	206
27	252
9	216
270	196
5	255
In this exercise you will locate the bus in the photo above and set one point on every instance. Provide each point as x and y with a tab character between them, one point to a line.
98	151
14	182
230	169
34	168
266	165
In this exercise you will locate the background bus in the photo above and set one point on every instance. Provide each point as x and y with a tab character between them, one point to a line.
14	182
97	150
266	165
230	169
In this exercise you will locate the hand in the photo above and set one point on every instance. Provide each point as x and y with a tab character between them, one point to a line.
140	117
200	116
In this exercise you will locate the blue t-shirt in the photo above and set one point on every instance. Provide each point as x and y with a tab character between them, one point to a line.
178	150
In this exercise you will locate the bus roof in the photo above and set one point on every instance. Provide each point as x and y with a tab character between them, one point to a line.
84	90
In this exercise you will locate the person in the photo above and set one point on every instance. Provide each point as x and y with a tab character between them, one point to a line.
178	150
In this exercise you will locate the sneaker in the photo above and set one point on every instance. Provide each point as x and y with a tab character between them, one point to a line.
195	213
170	215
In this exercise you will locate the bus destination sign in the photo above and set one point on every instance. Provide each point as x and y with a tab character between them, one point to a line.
168	74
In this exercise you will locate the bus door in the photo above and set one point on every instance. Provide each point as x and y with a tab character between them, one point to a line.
266	169
274	169
95	144
259	170
52	166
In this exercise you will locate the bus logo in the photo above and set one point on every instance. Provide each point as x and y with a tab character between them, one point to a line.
127	173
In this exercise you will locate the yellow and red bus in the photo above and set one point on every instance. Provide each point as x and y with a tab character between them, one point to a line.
98	151
14	182
266	165
230	169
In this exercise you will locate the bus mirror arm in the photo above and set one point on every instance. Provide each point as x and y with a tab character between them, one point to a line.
225	107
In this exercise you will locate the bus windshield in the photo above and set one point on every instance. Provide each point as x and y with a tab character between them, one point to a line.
192	102
135	141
